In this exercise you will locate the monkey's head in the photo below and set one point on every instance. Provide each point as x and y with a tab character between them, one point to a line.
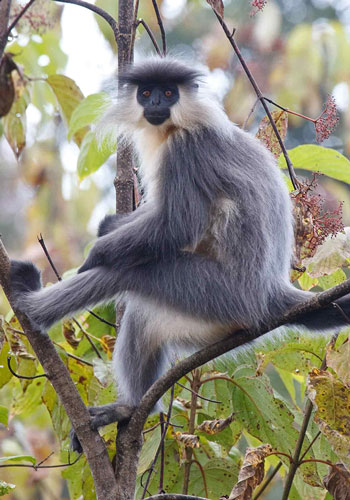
161	94
159	84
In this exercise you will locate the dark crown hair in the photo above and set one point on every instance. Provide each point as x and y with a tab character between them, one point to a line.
159	71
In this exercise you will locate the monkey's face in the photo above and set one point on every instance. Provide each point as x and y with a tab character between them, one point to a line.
156	100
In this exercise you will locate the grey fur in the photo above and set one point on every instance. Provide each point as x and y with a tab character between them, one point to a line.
208	252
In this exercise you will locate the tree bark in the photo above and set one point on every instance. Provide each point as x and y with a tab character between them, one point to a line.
4	21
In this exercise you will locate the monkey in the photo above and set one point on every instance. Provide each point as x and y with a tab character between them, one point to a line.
208	251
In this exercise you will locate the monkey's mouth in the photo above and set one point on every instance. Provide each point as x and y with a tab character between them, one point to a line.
157	118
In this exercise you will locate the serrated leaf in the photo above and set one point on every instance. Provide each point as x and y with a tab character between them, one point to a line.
331	255
331	399
339	361
19	458
92	155
4	415
87	112
68	96
15	122
319	159
267	135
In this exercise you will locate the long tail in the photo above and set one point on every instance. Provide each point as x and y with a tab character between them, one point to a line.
327	318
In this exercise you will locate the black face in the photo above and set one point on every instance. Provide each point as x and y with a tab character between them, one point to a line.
156	100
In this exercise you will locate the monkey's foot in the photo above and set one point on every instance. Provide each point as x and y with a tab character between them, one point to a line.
101	416
25	277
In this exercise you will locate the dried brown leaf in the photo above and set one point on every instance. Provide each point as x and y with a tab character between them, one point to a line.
215	426
218	6
267	135
108	343
187	403
337	482
69	334
7	89
251	473
190	440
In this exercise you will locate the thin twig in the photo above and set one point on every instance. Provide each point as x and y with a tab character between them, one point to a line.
308	411
310	446
87	336
150	34
198	395
260	97
195	385
174	496
167	423
37	467
150	429
244	126
22	376
268	481
202	473
161	26
73	356
97	10
18	17
59	277
162	454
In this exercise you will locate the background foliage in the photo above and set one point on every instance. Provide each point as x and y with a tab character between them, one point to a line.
54	180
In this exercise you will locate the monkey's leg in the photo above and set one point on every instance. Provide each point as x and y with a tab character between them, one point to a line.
45	306
140	355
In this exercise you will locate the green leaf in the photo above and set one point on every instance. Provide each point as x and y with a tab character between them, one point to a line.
19	458
331	398
68	96
6	488
87	112
319	159
92	156
4	415
15	122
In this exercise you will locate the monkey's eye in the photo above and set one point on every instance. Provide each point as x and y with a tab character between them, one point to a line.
146	93
168	93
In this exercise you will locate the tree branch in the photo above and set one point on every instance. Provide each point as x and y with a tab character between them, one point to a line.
59	377
97	10
259	95
161	26
18	17
5	6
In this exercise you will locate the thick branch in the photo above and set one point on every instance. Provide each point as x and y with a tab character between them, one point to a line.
4	19
58	375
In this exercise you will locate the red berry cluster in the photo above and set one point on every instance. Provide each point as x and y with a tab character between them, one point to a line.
257	5
327	121
313	224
